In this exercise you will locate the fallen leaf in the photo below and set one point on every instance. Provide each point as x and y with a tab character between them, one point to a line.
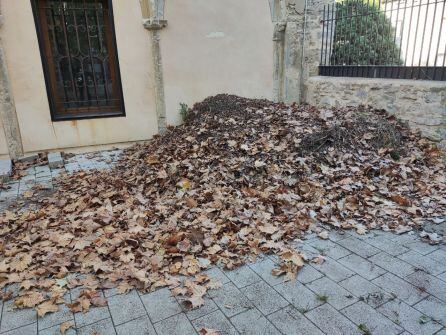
46	307
65	326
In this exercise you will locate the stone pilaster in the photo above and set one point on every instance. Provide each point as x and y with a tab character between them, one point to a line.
153	20
297	40
7	108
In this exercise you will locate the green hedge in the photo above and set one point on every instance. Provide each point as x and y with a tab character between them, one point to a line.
363	36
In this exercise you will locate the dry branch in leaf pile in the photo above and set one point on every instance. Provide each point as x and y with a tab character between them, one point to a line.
241	177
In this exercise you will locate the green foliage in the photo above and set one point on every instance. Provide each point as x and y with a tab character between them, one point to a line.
184	110
363	36
364	329
322	297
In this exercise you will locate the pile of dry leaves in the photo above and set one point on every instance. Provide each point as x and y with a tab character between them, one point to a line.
239	178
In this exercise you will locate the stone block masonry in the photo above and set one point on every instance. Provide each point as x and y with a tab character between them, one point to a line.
55	160
421	103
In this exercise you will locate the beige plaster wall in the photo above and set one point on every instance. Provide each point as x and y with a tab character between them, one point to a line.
216	46
28	87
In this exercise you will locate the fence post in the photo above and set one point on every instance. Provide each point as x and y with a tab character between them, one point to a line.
8	113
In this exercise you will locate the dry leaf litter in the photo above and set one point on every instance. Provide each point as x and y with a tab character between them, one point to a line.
239	178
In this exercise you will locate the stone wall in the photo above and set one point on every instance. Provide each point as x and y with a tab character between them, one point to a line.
422	103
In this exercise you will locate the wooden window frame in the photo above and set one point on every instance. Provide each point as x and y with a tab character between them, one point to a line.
80	112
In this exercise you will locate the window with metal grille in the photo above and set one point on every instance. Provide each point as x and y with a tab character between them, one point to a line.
79	57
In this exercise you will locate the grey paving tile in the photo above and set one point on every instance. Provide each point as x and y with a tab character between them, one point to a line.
103	327
217	274
110	292
336	295
1	307
359	247
425	282
12	319
383	243
441	332
57	172
329	248
298	295
291	322
421	247
25	330
208	307
252	322
160	304
330	321
307	249
336	236
423	262
216	321
264	297
409	318
263	268
94	314
175	325
392	264
362	266
400	288
52	319
362	314
439	256
333	270
308	274
139	326
405	238
125	307
230	300
55	330
366	291
434	308
442	276
243	276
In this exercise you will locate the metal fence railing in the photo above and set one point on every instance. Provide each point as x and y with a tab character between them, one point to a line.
393	39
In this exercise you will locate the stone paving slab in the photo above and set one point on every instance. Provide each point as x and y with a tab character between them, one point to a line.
217	321
367	318
289	321
252	322
380	282
400	288
409	318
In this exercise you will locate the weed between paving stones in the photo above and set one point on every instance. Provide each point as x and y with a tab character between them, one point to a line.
241	177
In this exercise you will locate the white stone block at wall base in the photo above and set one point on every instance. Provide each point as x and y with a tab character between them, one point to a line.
5	170
55	160
420	102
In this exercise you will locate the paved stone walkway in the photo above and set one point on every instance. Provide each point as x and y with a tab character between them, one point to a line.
379	283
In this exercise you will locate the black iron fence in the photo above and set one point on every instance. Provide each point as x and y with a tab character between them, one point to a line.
393	39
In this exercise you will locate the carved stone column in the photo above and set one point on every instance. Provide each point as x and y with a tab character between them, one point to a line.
153	20
7	108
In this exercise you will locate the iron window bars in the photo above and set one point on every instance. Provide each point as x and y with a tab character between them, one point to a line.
403	39
79	57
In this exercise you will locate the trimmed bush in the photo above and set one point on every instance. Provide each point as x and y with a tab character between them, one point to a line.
363	36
